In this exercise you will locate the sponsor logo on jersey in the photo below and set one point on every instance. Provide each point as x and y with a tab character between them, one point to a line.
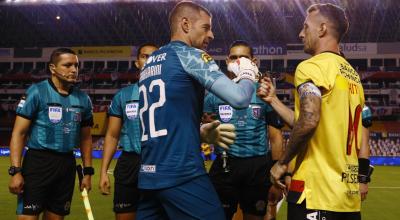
206	58
131	110
156	58
55	114
256	111
148	168
225	112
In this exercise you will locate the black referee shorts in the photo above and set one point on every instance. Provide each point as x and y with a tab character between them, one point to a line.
246	183
49	179
126	192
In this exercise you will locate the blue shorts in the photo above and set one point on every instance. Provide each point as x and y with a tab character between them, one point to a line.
195	199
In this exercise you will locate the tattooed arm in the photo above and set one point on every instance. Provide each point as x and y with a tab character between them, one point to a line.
303	129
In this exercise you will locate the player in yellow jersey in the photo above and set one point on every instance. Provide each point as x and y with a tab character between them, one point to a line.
326	135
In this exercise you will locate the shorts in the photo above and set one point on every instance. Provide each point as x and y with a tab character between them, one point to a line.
247	183
49	180
126	192
195	199
300	212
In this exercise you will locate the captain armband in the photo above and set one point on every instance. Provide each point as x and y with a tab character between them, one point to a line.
364	170
308	89
366	117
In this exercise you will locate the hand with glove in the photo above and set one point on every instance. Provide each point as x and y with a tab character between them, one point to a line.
218	134
244	68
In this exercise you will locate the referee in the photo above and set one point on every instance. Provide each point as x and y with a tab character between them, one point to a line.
52	118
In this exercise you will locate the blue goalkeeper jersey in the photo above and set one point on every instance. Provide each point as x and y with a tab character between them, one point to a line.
251	124
125	105
56	119
171	91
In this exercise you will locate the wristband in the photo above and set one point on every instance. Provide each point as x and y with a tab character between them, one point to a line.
88	171
363	166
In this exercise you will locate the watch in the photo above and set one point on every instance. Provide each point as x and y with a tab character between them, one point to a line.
88	171
14	170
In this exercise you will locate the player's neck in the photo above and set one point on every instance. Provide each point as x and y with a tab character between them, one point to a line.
62	87
328	45
179	37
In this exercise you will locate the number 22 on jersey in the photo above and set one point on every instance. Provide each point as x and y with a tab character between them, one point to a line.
161	101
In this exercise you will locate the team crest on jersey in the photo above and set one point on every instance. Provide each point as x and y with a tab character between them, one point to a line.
77	116
55	114
256	111
131	110
206	58
225	112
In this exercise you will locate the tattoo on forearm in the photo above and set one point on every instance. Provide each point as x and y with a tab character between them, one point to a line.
304	128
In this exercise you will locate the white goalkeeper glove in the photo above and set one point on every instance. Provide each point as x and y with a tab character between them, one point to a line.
218	134
244	68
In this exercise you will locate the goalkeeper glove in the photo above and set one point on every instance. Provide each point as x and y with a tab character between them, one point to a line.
244	68
218	134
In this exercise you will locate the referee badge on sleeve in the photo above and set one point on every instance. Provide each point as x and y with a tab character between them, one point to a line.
55	114
131	110
21	103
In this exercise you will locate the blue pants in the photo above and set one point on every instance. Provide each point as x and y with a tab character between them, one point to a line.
195	199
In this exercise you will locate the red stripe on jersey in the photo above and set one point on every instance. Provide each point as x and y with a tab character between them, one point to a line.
297	185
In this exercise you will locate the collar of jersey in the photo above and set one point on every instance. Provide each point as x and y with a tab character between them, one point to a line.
179	43
55	88
328	51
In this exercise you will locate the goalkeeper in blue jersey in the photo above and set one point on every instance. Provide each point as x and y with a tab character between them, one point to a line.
240	174
124	126
171	94
52	118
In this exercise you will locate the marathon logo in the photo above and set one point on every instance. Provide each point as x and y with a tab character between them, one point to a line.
148	169
32	207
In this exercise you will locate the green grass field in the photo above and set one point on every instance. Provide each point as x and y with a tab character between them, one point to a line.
382	202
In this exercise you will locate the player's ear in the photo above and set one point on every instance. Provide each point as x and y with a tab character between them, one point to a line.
322	30
254	60
227	61
185	24
52	67
137	63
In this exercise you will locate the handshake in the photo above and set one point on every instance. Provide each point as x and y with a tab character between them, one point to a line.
244	68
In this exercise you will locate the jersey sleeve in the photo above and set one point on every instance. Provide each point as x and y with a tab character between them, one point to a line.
115	107
29	103
200	66
309	71
87	117
208	103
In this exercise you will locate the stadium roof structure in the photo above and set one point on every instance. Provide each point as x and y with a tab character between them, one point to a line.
119	22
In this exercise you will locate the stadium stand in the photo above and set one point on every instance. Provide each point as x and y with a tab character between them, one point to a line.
30	30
